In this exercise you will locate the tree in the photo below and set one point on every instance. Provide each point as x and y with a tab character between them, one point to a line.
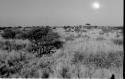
88	24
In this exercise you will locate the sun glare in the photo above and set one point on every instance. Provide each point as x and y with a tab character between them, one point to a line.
96	5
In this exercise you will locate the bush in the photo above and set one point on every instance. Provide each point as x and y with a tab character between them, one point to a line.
77	29
106	30
43	41
45	75
105	60
8	34
41	49
70	38
36	33
12	63
115	59
11	45
97	60
78	58
118	41
65	73
100	38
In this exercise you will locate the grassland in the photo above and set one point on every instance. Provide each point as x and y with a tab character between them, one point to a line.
61	52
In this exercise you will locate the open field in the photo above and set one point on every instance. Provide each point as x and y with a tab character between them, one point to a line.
61	52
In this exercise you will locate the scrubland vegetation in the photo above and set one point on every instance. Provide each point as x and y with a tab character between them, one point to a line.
61	52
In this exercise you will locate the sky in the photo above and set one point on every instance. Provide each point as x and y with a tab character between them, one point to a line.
60	12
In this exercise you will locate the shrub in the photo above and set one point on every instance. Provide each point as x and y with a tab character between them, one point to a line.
20	35
100	38
2	28
43	41
12	64
29	73
77	29
8	34
118	41
45	75
106	30
97	60
65	73
78	58
42	49
46	62
36	33
70	38
11	45
105	60
115	59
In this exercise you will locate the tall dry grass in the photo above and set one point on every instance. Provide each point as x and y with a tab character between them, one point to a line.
78	58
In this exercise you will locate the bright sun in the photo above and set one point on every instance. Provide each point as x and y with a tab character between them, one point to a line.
95	5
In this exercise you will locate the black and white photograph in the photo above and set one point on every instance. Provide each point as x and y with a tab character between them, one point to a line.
61	39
